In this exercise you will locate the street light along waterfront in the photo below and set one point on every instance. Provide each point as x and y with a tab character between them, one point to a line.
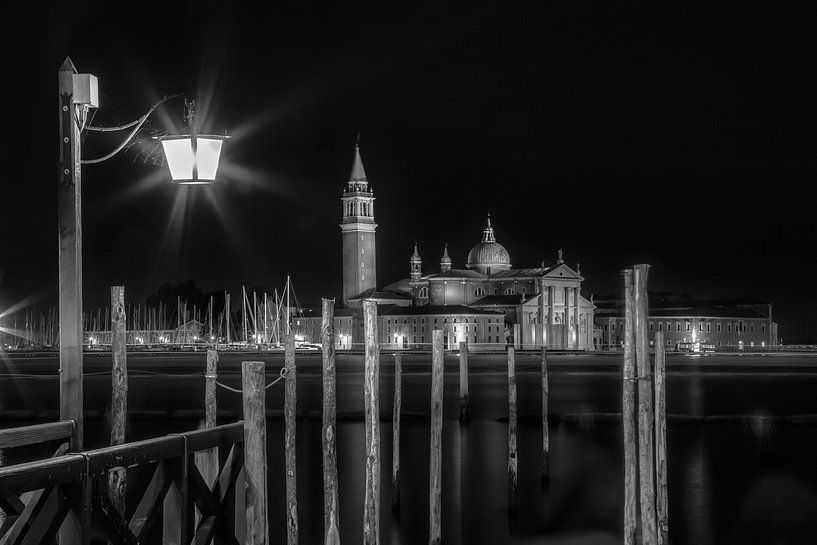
192	159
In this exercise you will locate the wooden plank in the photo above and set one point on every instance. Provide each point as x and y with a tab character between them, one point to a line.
19	478
220	436
39	433
395	438
290	410
107	516
135	453
646	416
331	519
174	517
661	440
629	423
253	385
512	421
117	477
436	441
545	428
150	506
211	504
50	514
465	409
371	406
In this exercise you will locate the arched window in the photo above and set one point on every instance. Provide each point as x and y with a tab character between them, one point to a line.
423	293
479	292
508	291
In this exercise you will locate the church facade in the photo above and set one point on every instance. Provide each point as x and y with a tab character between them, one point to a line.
488	303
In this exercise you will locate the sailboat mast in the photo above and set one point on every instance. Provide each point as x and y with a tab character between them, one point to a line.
266	337
289	332
227	314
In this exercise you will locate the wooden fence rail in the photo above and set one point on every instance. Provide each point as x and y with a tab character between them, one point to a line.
39	433
74	486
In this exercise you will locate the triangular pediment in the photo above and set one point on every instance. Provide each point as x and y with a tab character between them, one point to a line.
563	271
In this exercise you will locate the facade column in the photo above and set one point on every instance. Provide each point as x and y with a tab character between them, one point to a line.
549	326
540	330
566	320
577	344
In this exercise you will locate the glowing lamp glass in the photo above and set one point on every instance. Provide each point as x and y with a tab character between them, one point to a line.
193	164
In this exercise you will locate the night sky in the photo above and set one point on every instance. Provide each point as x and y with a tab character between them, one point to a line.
680	136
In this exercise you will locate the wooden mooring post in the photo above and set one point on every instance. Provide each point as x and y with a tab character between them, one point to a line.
661	440
512	459
255	451
436	454
465	409
395	441
207	460
329	424
646	415
290	408
629	424
117	477
545	429
371	400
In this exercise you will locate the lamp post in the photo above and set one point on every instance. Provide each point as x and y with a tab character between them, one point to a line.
192	159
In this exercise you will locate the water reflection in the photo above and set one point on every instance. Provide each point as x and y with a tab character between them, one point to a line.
695	504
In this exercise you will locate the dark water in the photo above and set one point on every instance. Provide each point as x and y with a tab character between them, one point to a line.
741	443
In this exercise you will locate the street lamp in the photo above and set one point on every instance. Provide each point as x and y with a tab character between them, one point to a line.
192	158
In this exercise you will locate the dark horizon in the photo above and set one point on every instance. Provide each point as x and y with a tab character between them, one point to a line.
679	136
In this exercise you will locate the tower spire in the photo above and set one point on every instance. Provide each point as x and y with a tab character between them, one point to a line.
445	261
358	174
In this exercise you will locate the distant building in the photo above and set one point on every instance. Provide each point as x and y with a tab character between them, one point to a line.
488	303
189	332
688	323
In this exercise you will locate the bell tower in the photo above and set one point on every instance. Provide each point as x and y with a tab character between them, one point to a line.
358	233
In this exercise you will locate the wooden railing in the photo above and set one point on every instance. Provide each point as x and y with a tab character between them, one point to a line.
39	433
69	493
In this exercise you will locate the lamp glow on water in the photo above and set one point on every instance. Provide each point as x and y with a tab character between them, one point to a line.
193	159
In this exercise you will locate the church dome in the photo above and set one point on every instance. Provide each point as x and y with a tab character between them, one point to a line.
488	256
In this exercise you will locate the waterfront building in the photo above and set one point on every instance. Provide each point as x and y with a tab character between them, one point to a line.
190	332
488	303
693	325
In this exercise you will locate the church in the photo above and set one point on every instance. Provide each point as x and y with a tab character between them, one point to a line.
488	303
